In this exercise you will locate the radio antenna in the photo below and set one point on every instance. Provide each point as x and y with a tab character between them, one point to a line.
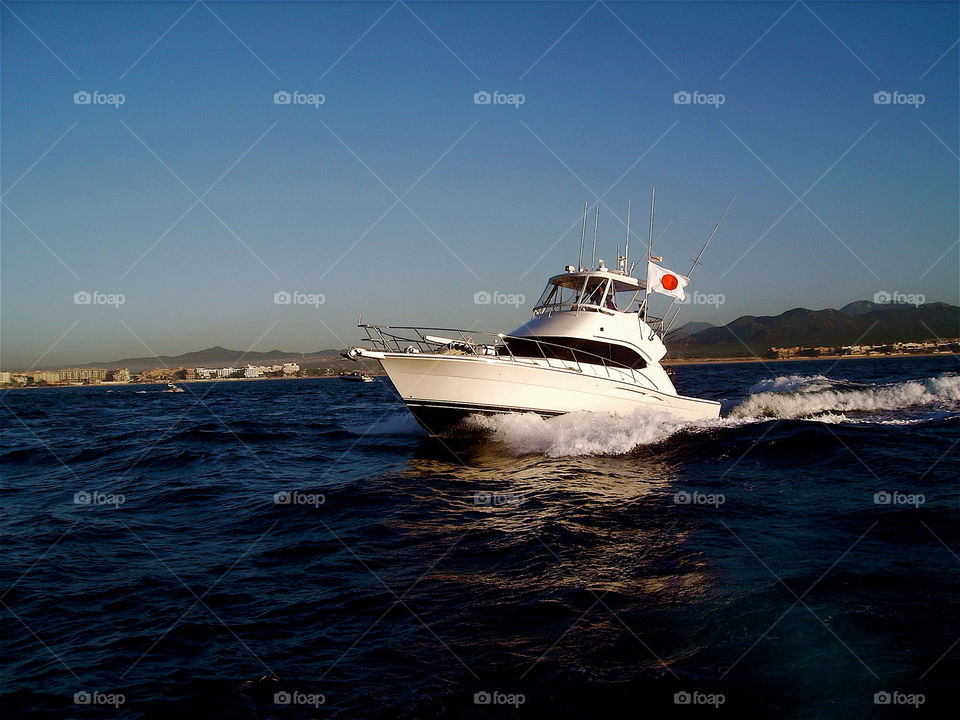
646	283
583	230
626	248
596	223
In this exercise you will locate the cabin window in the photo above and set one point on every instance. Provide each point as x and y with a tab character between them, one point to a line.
574	349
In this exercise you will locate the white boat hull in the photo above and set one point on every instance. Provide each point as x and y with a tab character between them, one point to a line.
442	389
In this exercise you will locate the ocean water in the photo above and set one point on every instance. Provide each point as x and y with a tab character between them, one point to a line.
300	549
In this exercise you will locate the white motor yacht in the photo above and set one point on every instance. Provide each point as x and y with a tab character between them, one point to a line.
590	346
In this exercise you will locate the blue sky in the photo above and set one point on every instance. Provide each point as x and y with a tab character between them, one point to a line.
199	198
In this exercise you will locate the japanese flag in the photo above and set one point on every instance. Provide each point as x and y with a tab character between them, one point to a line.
666	281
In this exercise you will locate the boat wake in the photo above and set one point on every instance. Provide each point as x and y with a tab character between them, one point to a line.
799	397
796	397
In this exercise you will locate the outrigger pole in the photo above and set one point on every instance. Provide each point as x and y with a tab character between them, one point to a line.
697	262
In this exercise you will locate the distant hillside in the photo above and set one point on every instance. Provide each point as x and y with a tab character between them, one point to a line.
220	357
862	323
691	328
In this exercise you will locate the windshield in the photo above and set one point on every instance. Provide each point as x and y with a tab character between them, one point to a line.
577	291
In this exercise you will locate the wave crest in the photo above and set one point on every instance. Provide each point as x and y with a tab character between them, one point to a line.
944	389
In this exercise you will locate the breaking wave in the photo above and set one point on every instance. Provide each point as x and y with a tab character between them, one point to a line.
790	383
585	433
807	401
813	398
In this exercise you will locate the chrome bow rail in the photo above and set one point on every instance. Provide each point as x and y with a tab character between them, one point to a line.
410	339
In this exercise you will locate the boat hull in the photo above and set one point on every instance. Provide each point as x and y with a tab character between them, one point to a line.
440	390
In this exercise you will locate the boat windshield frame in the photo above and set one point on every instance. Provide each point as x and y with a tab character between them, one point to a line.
592	291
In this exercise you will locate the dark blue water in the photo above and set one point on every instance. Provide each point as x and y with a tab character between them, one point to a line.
582	566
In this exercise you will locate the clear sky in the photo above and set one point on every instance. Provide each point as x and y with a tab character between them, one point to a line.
199	197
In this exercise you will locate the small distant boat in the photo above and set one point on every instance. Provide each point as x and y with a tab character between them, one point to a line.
171	387
357	376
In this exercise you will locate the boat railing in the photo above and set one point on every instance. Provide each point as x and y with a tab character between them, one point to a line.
411	339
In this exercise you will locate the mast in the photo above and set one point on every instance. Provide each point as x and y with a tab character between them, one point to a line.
596	223
583	230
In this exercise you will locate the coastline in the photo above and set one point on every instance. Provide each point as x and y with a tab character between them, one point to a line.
665	362
755	359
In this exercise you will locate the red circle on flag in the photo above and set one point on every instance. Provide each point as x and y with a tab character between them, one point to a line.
669	282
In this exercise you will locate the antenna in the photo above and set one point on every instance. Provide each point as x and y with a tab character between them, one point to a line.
626	248
583	231
696	260
596	223
646	287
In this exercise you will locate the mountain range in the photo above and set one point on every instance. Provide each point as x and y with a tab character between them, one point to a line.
858	323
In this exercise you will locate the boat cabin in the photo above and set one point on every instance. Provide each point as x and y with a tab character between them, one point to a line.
591	291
